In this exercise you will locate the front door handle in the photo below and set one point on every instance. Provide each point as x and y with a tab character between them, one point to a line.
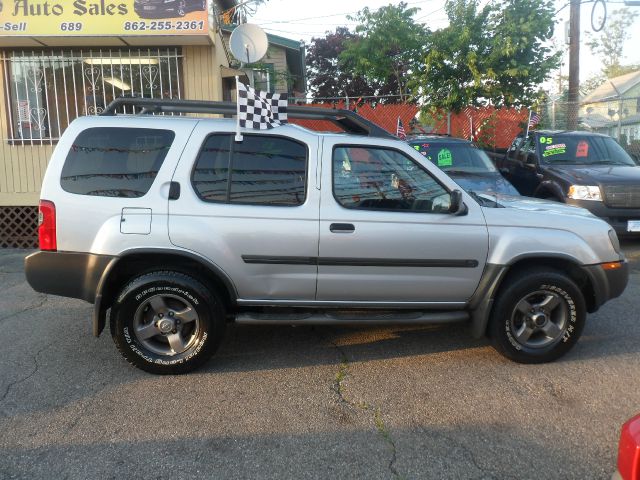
342	228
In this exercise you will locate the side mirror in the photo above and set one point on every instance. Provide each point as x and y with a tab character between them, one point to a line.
457	206
530	161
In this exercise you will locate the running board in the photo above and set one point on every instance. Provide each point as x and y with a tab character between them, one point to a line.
352	318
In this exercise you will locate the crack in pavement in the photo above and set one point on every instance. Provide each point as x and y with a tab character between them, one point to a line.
485	472
36	367
43	300
339	389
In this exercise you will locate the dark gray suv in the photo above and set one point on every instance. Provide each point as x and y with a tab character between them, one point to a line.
585	169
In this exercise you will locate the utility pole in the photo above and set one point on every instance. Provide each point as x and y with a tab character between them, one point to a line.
620	106
574	65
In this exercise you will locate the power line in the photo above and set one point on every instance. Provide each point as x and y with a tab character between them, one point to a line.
295	33
429	14
271	22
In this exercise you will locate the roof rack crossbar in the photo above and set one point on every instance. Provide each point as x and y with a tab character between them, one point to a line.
345	119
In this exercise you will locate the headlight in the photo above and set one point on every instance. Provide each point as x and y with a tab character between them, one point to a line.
583	192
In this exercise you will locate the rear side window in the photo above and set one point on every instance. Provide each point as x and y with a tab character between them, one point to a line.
115	162
260	170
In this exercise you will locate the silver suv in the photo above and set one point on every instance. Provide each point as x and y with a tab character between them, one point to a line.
175	229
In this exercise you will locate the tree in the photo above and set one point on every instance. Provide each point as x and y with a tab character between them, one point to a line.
452	70
497	54
328	76
609	43
388	47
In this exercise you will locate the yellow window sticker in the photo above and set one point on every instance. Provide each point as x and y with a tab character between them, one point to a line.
555	149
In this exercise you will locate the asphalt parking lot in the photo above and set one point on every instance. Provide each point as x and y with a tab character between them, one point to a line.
283	402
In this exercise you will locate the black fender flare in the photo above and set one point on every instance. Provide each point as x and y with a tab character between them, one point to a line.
100	310
551	187
481	302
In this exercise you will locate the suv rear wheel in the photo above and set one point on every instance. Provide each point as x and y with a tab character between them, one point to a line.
167	322
537	317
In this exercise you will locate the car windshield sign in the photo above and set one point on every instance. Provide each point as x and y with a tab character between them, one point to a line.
458	157
582	150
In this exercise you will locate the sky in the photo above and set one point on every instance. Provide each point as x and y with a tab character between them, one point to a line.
303	20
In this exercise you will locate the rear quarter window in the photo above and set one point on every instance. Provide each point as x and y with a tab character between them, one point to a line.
260	170
115	162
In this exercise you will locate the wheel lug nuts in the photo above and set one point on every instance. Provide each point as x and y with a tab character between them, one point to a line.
160	315
171	314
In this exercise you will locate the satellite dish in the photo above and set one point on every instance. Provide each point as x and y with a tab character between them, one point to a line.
248	43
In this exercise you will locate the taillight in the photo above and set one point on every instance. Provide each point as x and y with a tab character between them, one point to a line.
629	450
47	225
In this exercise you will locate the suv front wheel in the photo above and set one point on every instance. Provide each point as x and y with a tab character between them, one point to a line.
167	322
537	317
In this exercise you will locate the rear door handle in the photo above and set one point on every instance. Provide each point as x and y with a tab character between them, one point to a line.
342	228
174	191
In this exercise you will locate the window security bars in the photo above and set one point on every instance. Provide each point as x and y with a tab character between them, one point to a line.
46	90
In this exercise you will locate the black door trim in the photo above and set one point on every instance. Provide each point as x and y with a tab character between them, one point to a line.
396	262
359	262
271	260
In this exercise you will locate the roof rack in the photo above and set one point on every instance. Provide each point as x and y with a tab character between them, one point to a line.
430	134
349	121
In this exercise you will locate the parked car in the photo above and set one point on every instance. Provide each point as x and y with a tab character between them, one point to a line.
176	228
586	169
468	165
167	8
629	451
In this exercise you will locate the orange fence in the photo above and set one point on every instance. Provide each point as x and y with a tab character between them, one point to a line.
384	115
489	126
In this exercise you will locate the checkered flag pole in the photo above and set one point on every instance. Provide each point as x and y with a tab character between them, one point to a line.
260	110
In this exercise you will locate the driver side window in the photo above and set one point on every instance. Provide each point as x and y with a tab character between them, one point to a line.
374	178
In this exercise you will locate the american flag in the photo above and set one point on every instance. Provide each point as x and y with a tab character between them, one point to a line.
400	133
534	119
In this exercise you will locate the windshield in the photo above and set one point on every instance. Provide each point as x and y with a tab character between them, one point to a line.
455	157
582	150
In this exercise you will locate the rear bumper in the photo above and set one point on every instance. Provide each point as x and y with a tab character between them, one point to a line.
68	274
607	284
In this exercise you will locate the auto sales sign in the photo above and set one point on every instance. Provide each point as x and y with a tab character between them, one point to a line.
38	18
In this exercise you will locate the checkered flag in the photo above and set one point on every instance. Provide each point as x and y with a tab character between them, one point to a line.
261	110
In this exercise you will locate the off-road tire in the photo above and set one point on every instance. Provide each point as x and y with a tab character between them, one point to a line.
509	326
139	305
